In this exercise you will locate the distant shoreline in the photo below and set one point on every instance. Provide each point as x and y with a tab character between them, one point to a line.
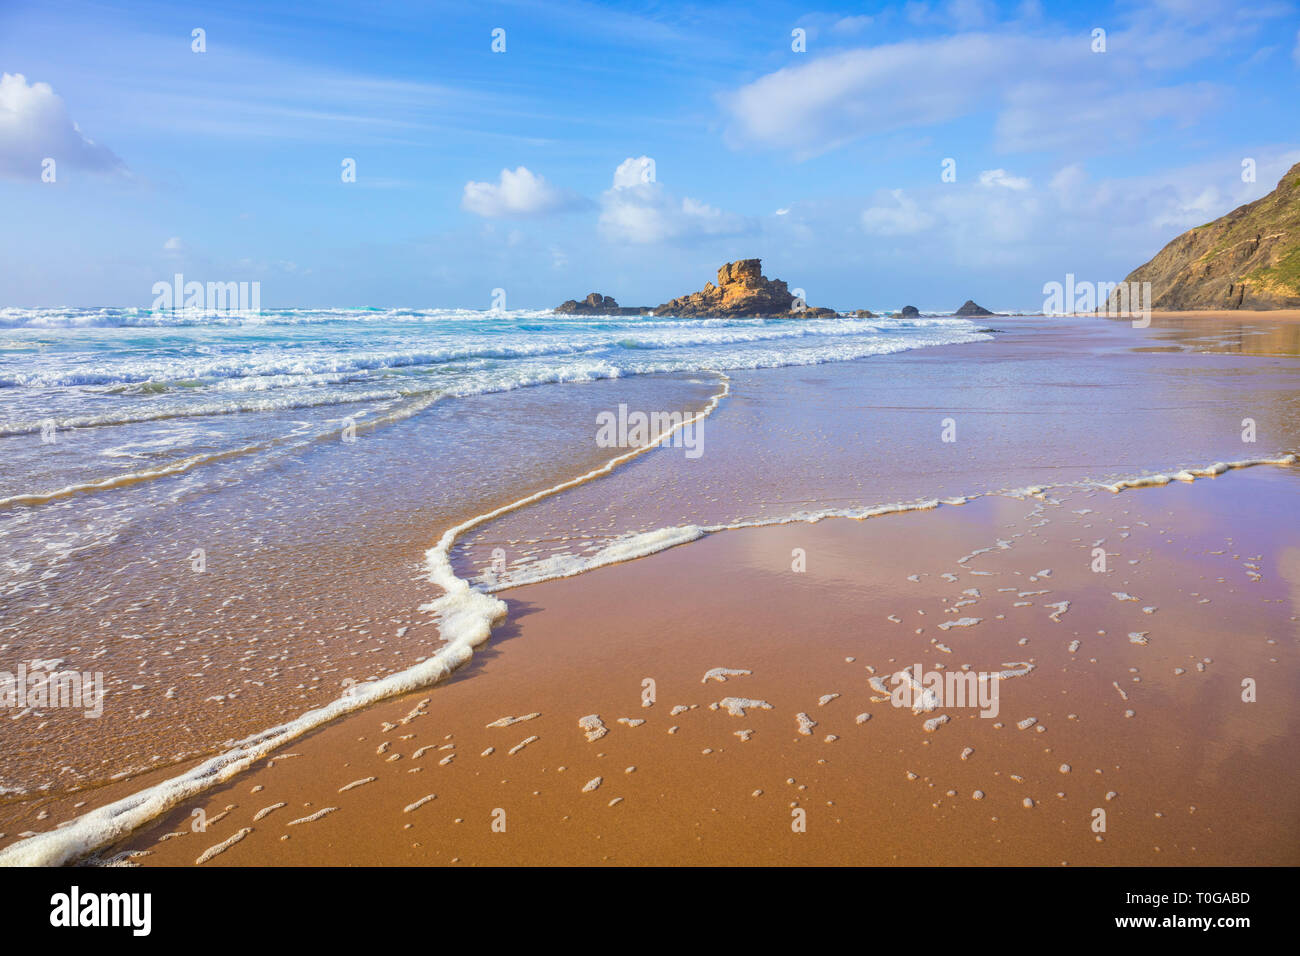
1235	315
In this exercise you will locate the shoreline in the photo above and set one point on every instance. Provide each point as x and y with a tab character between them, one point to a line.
624	484
193	663
464	618
1244	316
208	782
696	794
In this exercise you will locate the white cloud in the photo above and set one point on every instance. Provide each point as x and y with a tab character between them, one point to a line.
1059	95
844	96
174	246
1125	221
638	209
648	213
999	177
518	194
634	172
1185	211
35	125
899	216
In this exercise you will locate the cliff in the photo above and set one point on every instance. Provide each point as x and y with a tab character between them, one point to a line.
1248	259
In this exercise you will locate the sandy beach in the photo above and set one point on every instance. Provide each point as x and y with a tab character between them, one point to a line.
1133	705
702	672
650	436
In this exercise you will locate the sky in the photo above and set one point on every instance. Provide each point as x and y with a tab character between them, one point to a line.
353	154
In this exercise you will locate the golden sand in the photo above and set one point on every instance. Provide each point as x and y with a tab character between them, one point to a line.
736	654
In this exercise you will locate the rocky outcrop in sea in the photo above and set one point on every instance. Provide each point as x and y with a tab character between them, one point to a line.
742	290
597	304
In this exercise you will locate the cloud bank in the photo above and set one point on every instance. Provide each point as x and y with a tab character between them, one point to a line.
35	126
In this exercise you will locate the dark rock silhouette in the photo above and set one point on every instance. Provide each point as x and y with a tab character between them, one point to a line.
970	308
597	304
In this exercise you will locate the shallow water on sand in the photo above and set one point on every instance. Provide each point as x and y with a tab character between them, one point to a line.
219	604
1050	402
312	565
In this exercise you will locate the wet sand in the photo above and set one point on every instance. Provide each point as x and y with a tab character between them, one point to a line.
1230	315
1143	718
338	592
312	579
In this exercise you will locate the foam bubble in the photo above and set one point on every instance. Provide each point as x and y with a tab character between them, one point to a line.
736	706
267	811
312	818
507	721
593	727
222	847
720	674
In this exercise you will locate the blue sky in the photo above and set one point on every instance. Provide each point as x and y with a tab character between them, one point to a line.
629	148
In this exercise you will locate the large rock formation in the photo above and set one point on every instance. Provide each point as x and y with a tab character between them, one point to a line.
1248	259
742	290
910	312
970	308
597	304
